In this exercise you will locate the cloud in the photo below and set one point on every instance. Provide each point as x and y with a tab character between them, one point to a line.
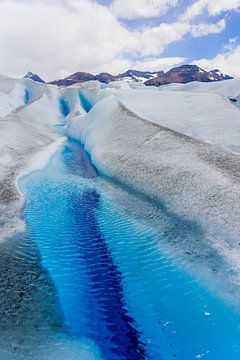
55	38
128	9
227	61
213	8
216	7
205	29
153	41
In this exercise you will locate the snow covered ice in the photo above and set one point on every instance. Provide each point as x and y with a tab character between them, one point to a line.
178	145
26	126
29	113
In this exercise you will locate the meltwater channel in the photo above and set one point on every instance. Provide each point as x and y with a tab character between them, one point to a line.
113	284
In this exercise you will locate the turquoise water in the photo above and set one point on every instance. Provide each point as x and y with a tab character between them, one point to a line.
114	284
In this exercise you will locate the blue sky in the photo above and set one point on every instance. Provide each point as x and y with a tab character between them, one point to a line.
58	37
207	46
191	48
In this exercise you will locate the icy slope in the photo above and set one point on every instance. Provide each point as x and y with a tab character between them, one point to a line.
160	162
18	92
196	181
205	116
29	113
26	127
174	144
229	88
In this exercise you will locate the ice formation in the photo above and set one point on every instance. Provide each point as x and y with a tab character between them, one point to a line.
29	112
177	144
179	148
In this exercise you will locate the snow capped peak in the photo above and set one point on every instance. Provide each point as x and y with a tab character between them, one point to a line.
33	77
220	74
217	71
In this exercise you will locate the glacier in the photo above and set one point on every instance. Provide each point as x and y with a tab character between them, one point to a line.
30	115
26	128
179	148
177	145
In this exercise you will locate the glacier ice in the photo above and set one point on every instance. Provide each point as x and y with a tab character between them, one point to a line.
177	144
196	180
25	129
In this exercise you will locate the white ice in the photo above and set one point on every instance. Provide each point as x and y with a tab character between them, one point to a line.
177	144
159	143
24	130
29	113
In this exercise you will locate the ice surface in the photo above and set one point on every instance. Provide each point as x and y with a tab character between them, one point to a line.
175	144
229	89
196	181
80	252
206	116
25	129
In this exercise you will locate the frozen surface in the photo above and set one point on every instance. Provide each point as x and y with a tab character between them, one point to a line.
197	181
175	144
178	146
229	88
31	321
206	116
106	252
26	126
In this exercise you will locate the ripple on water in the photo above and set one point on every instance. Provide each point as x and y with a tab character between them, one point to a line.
114	285
175	314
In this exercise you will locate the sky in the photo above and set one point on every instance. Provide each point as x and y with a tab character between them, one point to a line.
55	38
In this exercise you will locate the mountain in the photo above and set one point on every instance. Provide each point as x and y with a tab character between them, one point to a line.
185	74
81	77
106	78
222	76
180	74
78	77
139	76
34	77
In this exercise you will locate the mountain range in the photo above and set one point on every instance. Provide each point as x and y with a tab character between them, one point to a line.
180	74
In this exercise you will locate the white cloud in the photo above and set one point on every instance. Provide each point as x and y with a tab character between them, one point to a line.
227	61
130	9
55	38
154	40
213	7
216	7
194	10
52	39
205	29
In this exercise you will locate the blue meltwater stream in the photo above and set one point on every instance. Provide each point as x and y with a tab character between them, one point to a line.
113	283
